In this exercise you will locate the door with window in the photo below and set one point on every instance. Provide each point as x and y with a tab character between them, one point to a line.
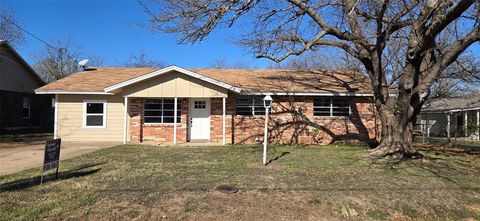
199	119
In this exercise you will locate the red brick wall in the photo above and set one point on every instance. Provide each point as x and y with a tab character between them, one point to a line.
292	122
216	121
157	133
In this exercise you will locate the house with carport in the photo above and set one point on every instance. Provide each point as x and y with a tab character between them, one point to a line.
175	105
448	117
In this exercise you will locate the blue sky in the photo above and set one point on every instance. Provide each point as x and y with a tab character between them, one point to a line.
109	29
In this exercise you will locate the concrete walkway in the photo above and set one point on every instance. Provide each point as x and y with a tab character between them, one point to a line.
20	158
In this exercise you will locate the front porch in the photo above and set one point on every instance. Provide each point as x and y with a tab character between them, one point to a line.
199	120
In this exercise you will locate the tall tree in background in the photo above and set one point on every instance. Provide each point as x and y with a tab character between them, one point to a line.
141	60
60	59
426	36
9	28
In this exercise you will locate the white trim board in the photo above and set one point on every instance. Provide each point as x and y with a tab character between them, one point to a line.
311	94
168	69
73	92
446	111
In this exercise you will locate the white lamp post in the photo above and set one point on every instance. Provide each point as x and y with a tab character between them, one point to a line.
267	103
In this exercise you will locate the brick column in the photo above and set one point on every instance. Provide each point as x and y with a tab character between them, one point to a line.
135	111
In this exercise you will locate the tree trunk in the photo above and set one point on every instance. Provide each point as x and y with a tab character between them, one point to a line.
397	137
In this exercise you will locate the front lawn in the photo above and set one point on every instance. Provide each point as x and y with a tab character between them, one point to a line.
337	182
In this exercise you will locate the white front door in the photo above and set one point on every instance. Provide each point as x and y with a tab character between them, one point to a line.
200	119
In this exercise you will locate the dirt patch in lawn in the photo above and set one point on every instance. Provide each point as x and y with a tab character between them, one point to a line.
445	149
250	205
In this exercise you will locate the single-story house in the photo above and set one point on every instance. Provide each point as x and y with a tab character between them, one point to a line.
176	105
451	117
20	107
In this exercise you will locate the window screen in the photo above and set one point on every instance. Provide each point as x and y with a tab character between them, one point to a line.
331	107
95	114
161	111
249	106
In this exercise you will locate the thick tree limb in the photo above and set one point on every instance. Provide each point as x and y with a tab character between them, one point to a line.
449	57
325	26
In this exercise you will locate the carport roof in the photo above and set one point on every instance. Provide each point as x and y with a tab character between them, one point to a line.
453	104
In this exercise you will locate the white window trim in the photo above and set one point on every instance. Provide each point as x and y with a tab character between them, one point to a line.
104	114
29	107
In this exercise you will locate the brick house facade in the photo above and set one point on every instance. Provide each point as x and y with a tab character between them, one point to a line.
292	122
223	106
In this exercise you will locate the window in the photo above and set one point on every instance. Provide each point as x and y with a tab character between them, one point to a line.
340	107
249	106
200	104
26	107
331	107
94	114
161	111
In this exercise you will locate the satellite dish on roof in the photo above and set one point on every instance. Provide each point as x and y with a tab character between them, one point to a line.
83	63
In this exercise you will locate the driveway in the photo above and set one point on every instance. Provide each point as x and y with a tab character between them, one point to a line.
23	157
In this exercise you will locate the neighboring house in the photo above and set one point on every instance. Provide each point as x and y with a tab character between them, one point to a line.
176	105
460	114
20	107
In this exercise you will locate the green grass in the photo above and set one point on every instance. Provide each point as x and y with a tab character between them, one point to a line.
337	181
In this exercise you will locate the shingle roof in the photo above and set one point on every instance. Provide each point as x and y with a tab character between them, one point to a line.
95	79
274	80
252	80
453	103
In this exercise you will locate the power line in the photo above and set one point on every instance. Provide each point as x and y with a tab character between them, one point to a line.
34	36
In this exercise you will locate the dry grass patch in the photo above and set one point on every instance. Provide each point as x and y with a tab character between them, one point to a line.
331	183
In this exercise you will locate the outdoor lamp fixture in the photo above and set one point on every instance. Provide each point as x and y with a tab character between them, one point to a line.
267	103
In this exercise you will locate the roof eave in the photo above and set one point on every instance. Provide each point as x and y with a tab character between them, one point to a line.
73	92
349	94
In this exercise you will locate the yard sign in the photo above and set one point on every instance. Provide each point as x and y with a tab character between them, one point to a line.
51	157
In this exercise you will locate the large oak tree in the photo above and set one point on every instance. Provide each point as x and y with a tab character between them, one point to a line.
424	37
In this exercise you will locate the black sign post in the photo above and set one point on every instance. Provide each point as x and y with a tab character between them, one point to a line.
51	158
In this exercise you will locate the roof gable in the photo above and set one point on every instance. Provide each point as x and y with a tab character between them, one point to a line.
17	75
174	84
168	70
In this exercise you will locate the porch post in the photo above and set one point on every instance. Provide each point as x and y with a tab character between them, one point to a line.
427	127
478	124
448	127
224	121
55	118
125	120
466	124
175	121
